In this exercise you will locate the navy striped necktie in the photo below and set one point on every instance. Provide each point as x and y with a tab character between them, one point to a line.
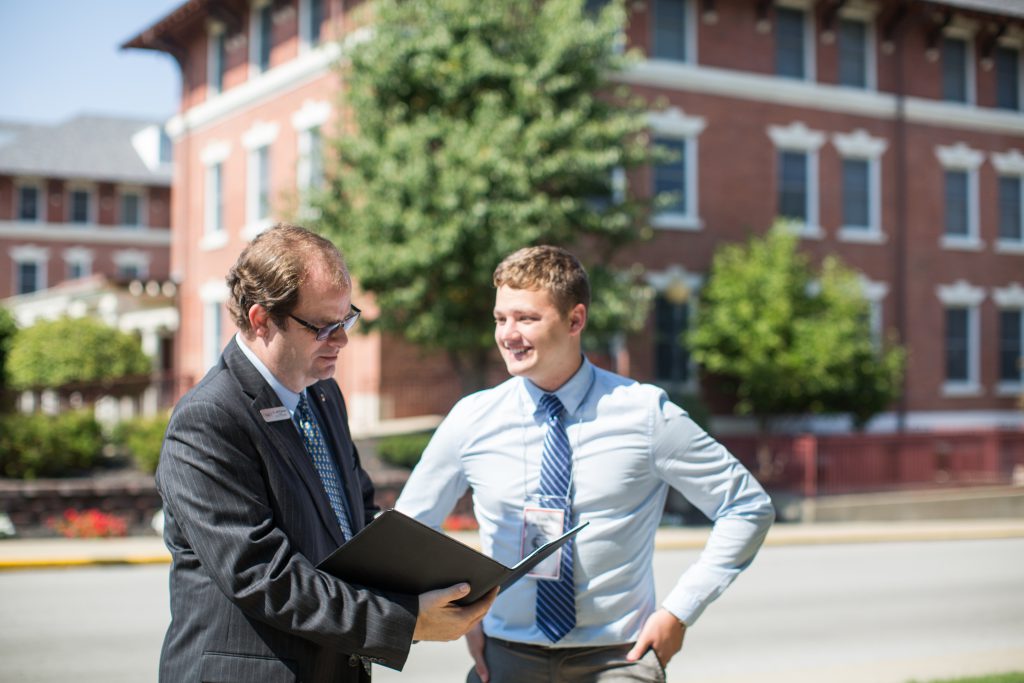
556	599
317	448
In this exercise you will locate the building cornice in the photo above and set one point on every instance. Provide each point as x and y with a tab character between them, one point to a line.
61	232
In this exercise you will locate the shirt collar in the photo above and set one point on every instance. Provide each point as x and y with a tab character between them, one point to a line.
571	394
289	399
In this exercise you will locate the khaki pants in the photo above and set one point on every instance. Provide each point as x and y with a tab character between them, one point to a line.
520	663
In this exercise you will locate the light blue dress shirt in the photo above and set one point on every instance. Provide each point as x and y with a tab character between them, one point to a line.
289	399
630	443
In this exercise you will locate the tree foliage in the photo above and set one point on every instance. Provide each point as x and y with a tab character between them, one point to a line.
479	128
54	353
8	328
786	339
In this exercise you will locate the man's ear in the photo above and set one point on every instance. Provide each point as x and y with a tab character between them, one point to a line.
259	320
577	319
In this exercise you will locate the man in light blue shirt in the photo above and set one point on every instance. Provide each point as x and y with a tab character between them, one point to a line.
623	444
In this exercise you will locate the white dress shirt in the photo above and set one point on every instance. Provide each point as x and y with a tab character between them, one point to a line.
629	443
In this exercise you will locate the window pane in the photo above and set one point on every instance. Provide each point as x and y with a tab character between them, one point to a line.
853	69
957	345
266	27
856	193
263	197
28	277
1009	208
671	358
28	203
954	70
1010	346
218	56
789	42
76	269
130	209
793	185
671	177
956	204
79	206
316	20
316	158
1007	78
670	29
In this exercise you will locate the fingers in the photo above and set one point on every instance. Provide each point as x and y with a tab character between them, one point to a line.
475	640
450	594
641	646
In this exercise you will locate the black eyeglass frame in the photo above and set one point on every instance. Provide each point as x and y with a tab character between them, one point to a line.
323	333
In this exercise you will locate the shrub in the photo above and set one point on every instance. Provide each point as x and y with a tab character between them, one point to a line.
403	450
143	437
48	446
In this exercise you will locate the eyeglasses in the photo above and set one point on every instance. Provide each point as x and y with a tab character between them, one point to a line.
322	333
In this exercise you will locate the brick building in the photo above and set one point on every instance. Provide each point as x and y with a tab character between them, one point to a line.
891	131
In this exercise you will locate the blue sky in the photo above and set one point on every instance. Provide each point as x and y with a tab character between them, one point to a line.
59	58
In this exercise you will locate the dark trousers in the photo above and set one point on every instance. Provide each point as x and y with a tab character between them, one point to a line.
521	663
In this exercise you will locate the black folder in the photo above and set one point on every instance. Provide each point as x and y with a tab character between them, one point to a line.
396	553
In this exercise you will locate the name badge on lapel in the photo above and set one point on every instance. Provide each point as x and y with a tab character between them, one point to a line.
275	414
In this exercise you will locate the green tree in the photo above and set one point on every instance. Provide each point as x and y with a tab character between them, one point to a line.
54	353
479	128
783	338
8	328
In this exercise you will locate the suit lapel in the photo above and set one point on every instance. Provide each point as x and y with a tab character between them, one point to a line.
284	435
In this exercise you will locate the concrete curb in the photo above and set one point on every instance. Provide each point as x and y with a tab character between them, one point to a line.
57	553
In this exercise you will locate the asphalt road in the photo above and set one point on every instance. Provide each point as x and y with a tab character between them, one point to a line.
871	613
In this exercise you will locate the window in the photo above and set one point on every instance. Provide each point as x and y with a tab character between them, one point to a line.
129	271
1007	67
78	263
265	28
29	203
214	199
1011	360
218	60
670	177
790	43
671	357
29	277
954	70
793	193
853	53
316	21
856	194
262	156
80	206
76	269
316	158
131	209
958	345
957	209
669	30
1010	209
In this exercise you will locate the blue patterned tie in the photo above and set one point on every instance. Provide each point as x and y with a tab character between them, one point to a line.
556	600
317	448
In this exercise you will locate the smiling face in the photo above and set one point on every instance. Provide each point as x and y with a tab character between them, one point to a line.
290	351
536	340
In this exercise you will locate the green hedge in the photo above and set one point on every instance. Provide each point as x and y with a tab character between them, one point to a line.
142	438
403	450
49	446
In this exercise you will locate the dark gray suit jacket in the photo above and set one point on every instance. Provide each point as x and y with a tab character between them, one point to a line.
246	521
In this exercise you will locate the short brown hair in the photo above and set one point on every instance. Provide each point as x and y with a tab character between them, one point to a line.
552	269
272	268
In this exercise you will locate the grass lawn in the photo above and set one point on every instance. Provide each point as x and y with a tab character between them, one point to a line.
1016	677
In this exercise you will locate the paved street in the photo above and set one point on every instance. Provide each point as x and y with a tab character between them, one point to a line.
871	613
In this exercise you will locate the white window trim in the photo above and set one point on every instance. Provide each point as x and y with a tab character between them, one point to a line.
133	257
215	234
305	36
875	292
676	276
254	223
960	157
675	123
212	294
860	145
1010	298
1014	42
214	33
40	188
256	37
30	253
312	114
810	33
79	186
964	30
797	137
1011	164
143	196
691	18
80	256
963	295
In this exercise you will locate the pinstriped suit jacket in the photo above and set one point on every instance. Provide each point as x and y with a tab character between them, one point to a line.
246	521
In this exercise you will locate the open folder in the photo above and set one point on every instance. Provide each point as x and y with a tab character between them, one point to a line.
396	553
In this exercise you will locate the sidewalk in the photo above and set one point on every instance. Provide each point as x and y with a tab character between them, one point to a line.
43	553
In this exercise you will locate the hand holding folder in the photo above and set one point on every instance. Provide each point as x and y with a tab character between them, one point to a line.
396	553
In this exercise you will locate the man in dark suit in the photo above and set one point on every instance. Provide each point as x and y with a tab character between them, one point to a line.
260	481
